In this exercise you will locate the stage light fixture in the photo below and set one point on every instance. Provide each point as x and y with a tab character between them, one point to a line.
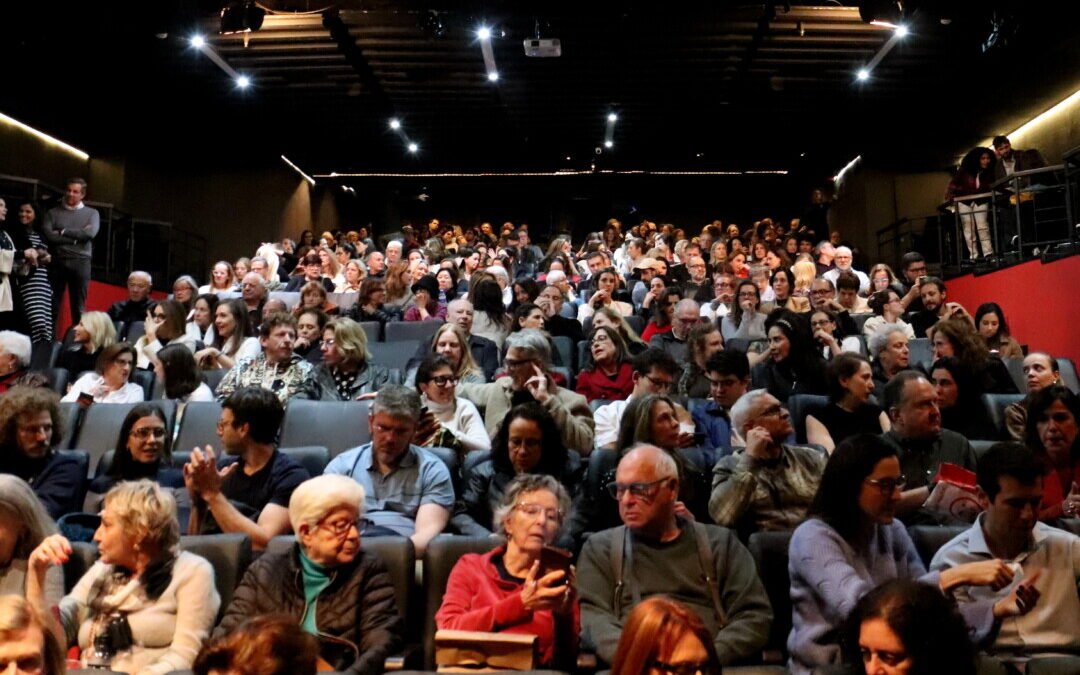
612	117
243	81
901	31
198	41
414	148
483	33
493	76
609	144
863	75
241	17
395	123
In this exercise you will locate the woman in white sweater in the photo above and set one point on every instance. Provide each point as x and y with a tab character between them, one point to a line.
453	421
143	607
110	383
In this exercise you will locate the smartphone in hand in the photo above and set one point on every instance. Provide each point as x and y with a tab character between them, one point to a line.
554	558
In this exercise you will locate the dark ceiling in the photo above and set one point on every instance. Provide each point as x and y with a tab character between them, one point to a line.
720	85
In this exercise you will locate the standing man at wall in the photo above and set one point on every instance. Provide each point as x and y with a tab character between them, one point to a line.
70	229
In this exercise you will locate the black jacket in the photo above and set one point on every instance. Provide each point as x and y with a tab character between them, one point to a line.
57	479
129	311
356	614
560	325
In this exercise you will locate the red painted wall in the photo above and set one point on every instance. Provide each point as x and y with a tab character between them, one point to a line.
1041	302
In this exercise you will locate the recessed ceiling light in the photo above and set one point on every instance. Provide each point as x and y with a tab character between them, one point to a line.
493	76
243	81
484	33
863	75
198	41
609	144
612	117
395	123
901	31
414	148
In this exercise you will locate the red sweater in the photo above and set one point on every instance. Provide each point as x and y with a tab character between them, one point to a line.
652	329
477	598
595	384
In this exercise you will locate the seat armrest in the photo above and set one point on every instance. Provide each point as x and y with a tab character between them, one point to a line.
409	658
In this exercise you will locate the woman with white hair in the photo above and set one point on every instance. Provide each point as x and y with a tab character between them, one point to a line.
324	581
94	332
507	589
144	607
24	523
15	352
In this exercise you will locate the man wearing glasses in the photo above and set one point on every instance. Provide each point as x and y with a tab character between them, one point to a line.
657	552
921	443
769	485
528	357
729	378
407	490
687	314
138	303
654	372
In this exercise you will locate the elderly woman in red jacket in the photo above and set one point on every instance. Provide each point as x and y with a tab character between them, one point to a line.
508	589
611	376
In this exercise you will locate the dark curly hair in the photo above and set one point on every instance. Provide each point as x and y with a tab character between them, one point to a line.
553	452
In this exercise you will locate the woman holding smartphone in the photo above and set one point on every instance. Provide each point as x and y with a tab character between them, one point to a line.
508	589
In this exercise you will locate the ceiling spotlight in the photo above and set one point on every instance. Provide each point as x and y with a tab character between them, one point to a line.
901	31
612	117
414	148
484	33
395	123
243	81
493	76
863	75
609	144
198	41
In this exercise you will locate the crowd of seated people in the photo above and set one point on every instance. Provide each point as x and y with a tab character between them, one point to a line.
650	403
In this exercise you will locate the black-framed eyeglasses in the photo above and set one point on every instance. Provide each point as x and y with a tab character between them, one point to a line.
443	380
341	528
516	363
639	490
888	485
664	385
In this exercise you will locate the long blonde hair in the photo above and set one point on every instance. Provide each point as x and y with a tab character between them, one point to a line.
101	328
467	365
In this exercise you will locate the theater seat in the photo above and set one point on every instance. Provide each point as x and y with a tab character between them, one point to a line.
1068	374
442	554
58	379
43	356
146	380
799	405
597	403
450	459
770	552
737	345
213	377
994	406
564	346
392	354
198	427
929	538
415	331
101	425
980	447
228	554
313	458
373	330
70	412
581	352
335	425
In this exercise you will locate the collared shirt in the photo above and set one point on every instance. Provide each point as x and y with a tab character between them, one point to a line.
392	500
288	379
713	422
1053	626
920	461
766	494
608	418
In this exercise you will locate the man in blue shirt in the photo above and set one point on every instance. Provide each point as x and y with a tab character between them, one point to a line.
729	378
406	489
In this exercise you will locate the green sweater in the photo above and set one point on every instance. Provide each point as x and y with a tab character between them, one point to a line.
674	569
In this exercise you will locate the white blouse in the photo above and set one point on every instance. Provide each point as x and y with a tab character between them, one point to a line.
94	384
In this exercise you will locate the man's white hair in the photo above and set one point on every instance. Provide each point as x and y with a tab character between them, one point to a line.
16	344
555	277
744	407
395	243
139	274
